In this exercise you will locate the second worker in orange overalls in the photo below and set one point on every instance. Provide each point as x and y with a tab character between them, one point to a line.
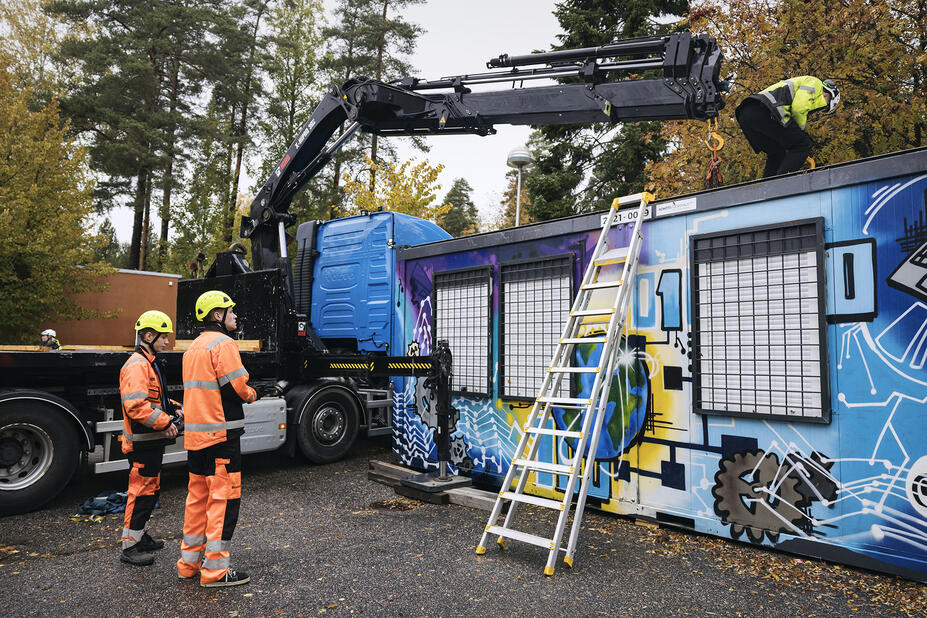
151	421
214	386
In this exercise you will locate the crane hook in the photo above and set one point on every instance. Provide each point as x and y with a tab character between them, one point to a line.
713	178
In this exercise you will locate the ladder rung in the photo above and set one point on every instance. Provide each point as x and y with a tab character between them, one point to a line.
570	401
635	199
603	311
567	340
562	433
602	284
573	369
535	500
582	320
524	537
605	319
614	256
543	466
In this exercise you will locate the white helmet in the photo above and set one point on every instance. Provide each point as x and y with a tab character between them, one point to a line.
49	332
830	87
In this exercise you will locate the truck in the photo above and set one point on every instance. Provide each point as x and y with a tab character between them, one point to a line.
331	321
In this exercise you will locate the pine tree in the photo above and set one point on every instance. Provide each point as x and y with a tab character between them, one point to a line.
139	72
242	88
462	219
293	75
116	101
190	61
364	42
582	168
201	216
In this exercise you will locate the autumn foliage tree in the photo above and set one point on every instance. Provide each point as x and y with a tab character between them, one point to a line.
45	208
876	51
407	187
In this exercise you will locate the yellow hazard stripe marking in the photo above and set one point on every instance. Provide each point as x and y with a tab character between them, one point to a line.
409	365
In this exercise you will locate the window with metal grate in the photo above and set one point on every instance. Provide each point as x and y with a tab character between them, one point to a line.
759	329
535	301
461	316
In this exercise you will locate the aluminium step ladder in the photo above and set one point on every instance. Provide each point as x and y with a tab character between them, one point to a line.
578	468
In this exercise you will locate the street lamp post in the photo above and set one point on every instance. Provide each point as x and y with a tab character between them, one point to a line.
519	158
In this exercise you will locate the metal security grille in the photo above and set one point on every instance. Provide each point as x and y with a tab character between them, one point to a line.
535	301
462	318
759	323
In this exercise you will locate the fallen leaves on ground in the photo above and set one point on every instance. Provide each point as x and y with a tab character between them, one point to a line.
860	588
397	504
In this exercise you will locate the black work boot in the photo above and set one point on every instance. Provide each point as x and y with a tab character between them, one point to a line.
150	544
135	555
231	578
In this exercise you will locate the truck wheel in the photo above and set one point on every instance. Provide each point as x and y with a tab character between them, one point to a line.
39	454
328	425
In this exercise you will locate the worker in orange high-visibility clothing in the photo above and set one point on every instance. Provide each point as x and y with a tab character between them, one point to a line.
214	386
150	421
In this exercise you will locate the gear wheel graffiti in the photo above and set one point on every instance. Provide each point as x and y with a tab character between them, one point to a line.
744	480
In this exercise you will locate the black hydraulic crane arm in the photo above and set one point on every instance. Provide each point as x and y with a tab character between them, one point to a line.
687	88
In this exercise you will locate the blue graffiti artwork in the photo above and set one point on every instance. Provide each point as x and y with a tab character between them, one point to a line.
628	394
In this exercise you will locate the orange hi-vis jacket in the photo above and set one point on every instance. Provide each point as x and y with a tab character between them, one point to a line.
143	404
214	385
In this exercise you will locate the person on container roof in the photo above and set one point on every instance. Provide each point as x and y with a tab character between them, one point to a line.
774	120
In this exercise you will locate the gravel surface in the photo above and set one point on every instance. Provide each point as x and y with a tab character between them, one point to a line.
324	540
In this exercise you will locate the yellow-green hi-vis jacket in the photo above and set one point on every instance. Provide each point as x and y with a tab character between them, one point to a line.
791	100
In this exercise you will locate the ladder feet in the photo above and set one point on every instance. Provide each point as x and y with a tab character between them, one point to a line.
567	560
480	550
548	570
501	543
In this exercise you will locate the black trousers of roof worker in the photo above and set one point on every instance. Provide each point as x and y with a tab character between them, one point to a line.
786	147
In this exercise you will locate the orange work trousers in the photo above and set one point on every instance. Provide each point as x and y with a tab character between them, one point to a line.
211	513
144	489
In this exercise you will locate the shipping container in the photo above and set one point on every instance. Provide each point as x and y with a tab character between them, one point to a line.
771	384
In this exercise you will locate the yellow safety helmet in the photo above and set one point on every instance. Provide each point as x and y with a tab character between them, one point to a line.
155	320
213	299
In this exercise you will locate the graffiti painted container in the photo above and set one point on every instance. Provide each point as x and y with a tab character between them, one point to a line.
771	384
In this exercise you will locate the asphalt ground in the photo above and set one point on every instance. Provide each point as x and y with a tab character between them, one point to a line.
324	540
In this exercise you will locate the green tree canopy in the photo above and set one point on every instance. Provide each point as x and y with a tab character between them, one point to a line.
293	75
45	207
579	168
368	38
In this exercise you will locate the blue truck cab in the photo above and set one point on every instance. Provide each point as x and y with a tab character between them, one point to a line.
346	282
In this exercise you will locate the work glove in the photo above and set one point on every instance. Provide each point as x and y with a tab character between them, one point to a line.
177	421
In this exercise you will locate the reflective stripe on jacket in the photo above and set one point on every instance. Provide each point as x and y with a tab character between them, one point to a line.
215	384
143	403
791	100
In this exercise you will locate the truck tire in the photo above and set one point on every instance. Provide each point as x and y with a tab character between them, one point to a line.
328	425
39	453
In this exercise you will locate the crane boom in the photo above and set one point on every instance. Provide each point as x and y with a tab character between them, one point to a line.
599	91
